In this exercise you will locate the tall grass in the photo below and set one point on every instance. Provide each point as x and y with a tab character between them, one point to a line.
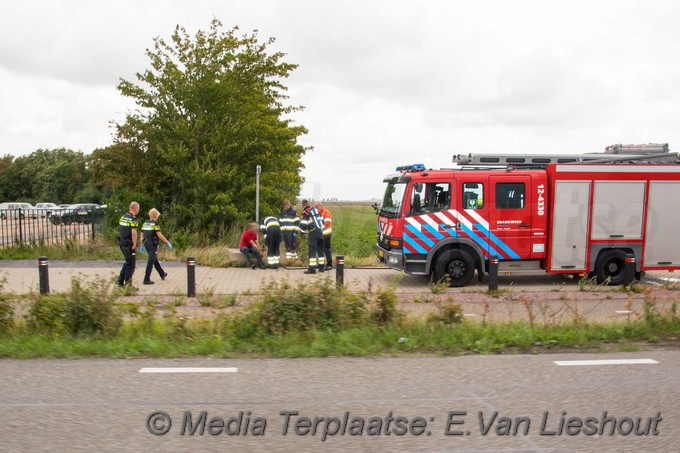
71	250
295	321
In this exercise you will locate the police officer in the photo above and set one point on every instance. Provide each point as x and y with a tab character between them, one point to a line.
290	227
127	240
272	236
312	224
152	236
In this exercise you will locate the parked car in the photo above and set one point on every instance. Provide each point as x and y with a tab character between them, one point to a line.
16	209
45	209
79	213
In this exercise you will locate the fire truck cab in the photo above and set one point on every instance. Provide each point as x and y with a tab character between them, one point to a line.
577	214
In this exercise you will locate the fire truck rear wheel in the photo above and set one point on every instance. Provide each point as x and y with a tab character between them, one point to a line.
611	266
456	265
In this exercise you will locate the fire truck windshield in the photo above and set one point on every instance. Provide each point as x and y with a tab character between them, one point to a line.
394	196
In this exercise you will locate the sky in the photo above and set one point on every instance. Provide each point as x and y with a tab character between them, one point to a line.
383	83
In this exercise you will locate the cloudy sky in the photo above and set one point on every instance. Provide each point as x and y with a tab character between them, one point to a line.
383	82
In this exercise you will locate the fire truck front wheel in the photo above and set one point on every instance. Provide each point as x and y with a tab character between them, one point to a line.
610	267
455	265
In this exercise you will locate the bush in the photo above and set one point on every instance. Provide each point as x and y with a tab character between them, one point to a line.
81	311
46	315
384	310
6	313
448	314
91	310
287	308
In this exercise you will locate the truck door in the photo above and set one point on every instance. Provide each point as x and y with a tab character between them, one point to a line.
423	226
511	215
472	211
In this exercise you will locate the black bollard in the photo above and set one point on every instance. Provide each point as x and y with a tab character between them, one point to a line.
493	273
191	277
340	270
43	271
629	270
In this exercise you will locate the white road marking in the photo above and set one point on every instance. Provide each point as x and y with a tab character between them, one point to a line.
188	370
605	362
469	314
623	312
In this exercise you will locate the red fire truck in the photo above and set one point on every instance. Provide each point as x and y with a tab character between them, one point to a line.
573	214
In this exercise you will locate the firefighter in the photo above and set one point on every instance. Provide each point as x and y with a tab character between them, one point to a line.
127	240
152	236
272	236
290	227
312	224
327	233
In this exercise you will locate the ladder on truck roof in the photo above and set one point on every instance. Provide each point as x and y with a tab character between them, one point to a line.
651	153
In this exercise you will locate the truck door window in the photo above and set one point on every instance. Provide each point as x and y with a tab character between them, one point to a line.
510	195
430	197
473	195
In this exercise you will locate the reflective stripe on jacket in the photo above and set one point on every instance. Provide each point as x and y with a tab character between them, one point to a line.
289	220
269	224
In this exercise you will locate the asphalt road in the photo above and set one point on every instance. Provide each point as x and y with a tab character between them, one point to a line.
104	405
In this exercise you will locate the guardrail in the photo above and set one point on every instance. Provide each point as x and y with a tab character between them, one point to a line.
27	227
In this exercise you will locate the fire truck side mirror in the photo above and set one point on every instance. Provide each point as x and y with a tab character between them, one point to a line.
375	207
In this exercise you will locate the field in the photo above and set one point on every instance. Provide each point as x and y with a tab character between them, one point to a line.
354	232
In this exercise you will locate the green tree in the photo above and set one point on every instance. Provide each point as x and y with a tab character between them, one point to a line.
11	185
119	166
210	109
58	175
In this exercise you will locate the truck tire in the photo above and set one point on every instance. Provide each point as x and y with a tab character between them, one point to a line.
611	265
456	265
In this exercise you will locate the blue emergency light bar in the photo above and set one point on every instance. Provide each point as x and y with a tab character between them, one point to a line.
412	167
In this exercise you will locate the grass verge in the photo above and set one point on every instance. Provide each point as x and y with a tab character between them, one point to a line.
410	336
296	321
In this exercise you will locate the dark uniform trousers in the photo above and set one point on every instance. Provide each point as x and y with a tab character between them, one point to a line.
129	265
151	263
273	246
315	248
328	252
291	243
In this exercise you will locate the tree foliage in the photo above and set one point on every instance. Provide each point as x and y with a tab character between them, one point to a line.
58	176
209	109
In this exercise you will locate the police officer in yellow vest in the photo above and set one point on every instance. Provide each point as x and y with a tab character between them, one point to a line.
127	240
152	237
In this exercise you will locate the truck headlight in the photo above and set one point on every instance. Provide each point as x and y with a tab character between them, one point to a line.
393	260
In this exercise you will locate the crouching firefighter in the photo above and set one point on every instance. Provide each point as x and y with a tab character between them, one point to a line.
312	224
272	236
